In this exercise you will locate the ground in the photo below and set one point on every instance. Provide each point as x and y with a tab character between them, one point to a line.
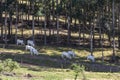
49	66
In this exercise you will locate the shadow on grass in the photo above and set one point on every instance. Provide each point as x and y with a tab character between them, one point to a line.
54	61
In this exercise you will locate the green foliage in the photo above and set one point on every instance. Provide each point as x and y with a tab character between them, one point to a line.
77	68
10	65
1	67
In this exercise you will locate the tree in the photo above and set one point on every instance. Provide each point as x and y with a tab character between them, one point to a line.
113	29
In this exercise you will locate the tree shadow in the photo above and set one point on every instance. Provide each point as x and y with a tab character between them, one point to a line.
55	61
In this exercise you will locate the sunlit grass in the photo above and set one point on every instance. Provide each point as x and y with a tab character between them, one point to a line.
49	73
54	50
54	74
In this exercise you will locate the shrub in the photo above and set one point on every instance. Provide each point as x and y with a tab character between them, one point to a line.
1	68
77	68
10	65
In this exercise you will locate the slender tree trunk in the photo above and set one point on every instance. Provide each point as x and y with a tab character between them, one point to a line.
33	23
57	29
94	35
57	24
83	32
119	31
91	40
16	24
5	26
68	38
109	32
113	28
29	6
45	41
79	34
1	5
9	26
53	15
1	18
22	23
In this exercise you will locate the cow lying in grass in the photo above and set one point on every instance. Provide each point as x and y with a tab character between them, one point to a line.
30	42
68	55
91	57
20	42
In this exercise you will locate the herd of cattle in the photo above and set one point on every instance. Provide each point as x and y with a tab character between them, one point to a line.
64	55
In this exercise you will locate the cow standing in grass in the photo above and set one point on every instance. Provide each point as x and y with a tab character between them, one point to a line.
68	55
30	42
65	55
91	57
32	50
20	42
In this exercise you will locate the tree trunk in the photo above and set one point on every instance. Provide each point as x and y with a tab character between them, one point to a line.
119	32
5	25
33	23
91	40
68	27
79	34
16	24
45	41
83	32
1	5
113	28
9	25
57	29
22	23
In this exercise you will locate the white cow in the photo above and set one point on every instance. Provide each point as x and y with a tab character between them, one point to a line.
34	51
71	53
31	49
27	47
30	42
21	42
91	57
66	55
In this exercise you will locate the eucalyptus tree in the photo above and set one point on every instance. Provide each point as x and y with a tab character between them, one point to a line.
1	10
57	14
33	22
46	16
114	3
42	8
88	12
118	19
10	4
23	10
101	4
9	12
32	2
6	19
119	25
16	20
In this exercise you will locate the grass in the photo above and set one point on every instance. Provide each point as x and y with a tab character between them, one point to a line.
51	74
45	69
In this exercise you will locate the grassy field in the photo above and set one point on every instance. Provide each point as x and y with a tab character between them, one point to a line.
47	65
